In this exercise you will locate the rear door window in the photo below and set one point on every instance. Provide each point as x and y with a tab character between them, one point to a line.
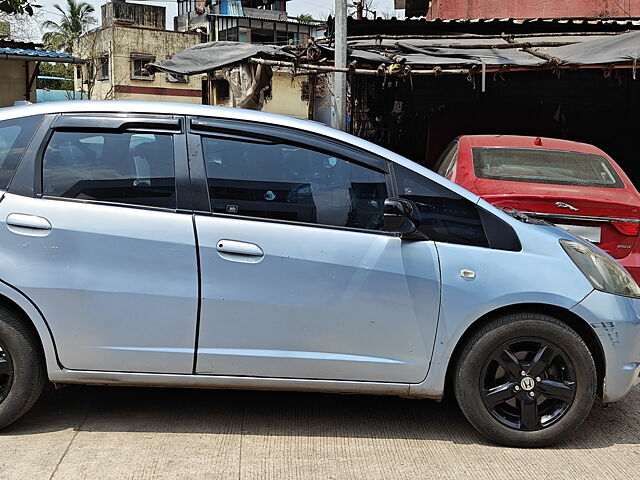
14	138
129	168
545	166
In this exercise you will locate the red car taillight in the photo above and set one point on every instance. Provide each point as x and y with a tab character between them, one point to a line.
624	228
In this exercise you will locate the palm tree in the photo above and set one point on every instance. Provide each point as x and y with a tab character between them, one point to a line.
305	18
75	21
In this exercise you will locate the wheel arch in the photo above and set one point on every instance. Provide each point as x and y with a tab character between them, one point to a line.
577	323
19	304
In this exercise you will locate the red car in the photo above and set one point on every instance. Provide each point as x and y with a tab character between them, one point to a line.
574	185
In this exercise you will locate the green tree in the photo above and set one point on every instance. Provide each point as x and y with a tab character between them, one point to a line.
16	7
305	18
75	21
61	70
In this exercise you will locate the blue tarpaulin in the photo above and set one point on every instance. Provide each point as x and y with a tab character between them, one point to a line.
231	7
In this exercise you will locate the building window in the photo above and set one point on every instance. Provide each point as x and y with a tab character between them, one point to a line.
78	72
103	64
221	88
138	64
186	6
176	78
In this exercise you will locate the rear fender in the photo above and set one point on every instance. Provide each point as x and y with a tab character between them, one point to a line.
36	319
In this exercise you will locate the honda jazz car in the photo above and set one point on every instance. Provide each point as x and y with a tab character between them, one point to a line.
575	185
192	246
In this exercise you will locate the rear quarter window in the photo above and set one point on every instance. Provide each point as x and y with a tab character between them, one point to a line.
15	135
445	216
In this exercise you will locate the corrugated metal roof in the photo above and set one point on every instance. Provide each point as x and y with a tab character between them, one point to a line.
520	21
27	52
421	56
422	25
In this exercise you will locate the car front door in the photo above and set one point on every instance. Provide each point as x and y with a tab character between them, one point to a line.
298	278
99	244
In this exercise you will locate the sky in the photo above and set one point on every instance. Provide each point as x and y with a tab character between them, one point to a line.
317	8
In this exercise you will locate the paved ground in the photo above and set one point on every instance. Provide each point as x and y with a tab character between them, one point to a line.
99	432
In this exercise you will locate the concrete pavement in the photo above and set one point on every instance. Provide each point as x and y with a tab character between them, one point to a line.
135	433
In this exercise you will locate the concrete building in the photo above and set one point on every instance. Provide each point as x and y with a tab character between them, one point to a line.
252	21
282	92
131	36
256	22
454	9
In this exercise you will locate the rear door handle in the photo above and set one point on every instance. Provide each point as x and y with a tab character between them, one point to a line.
28	224
239	251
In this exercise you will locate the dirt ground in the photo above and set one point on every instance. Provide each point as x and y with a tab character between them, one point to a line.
137	433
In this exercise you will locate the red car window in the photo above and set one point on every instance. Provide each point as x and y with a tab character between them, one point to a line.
545	166
447	161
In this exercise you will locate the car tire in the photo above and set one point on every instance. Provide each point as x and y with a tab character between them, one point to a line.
525	380
22	372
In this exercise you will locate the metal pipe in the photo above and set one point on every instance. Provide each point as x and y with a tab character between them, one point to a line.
311	67
498	46
471	36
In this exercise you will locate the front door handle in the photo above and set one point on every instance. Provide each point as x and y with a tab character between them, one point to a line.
239	251
28	224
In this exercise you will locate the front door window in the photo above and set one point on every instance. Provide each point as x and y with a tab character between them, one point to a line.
283	182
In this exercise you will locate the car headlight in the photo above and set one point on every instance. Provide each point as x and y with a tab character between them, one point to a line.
604	273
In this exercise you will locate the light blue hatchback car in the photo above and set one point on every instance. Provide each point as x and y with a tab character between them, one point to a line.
176	245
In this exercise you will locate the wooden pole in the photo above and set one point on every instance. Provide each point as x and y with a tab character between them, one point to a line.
434	71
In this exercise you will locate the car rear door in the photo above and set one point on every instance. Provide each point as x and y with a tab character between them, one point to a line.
298	278
96	230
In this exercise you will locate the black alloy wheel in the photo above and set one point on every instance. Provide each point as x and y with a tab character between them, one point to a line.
6	372
525	380
22	367
528	384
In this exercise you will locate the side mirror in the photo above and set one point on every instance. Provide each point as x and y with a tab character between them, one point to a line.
401	216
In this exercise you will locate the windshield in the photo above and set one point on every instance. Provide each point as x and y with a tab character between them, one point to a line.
545	166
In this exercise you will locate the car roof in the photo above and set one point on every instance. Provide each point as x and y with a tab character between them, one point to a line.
170	108
519	141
